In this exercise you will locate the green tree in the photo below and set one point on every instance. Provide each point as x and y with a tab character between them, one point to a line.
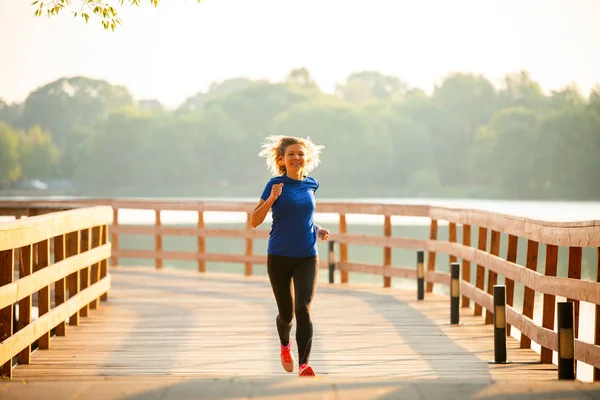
10	113
410	141
38	154
568	153
254	108
115	151
216	89
594	99
462	103
150	104
358	146
223	144
567	97
10	169
368	86
505	154
61	105
520	90
158	153
301	78
381	137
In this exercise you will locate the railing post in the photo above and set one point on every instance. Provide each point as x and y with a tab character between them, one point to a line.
420	275
454	293
74	280
158	247
249	245
114	258
492	276
574	272
331	261
7	267
566	341
201	242
511	256
26	261
85	273
60	286
43	249
480	272
597	316
433	231
343	247
549	304
452	238
500	324
104	267
387	251
96	241
466	264
528	293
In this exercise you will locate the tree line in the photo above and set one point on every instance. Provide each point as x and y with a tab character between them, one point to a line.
382	137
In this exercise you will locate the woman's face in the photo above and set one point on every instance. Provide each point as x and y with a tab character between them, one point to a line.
294	158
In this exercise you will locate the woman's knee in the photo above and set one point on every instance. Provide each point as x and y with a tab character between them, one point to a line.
302	311
285	319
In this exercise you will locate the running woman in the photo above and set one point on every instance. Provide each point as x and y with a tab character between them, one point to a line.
292	253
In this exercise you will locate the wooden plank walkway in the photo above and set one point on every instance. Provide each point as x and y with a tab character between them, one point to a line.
180	388
180	323
180	335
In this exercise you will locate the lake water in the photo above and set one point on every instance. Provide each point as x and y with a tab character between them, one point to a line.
369	224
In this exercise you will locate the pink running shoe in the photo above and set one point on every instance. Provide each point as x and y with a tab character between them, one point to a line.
287	360
306	370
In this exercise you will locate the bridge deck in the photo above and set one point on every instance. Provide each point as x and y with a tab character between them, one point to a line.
179	323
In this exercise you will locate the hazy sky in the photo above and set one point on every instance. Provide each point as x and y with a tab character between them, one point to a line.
173	51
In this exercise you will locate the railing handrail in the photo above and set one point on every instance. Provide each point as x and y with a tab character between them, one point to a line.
32	230
350	207
323	206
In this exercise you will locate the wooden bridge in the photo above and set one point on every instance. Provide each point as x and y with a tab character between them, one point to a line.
84	314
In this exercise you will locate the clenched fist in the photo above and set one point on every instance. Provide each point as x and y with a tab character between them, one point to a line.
276	190
322	233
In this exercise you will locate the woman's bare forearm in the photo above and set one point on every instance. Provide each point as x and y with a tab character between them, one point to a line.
260	212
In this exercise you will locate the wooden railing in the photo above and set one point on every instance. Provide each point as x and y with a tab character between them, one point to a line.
63	253
158	230
476	290
552	235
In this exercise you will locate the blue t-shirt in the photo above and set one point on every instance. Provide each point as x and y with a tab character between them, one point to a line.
293	232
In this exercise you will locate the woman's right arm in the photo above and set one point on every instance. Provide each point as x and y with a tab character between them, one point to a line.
262	208
260	212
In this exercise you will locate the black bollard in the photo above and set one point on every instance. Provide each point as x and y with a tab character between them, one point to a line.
454	293
500	324
420	275
566	341
331	261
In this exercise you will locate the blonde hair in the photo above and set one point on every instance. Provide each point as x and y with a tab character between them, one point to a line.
274	150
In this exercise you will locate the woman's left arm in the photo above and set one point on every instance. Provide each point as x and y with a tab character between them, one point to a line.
322	233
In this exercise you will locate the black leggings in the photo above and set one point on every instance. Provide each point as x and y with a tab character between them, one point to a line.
304	272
